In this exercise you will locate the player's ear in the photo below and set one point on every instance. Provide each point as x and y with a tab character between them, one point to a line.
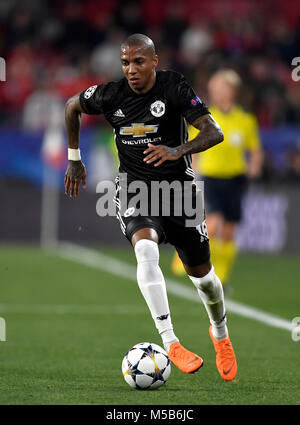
155	61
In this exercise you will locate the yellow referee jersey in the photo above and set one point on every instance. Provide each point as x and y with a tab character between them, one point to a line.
227	159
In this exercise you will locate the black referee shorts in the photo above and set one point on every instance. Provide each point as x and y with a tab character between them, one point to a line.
191	243
225	196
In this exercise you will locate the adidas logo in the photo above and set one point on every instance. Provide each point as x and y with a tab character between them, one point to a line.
119	113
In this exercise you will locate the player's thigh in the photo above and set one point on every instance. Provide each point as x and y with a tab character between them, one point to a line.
198	271
191	243
140	227
133	223
145	233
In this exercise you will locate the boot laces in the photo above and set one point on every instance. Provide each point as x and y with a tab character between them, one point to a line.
225	350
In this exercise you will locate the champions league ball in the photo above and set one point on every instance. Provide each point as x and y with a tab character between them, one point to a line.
146	366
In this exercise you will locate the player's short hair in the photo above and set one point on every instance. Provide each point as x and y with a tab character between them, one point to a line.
139	40
230	76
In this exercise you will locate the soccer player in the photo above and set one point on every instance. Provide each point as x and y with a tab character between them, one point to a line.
225	170
147	110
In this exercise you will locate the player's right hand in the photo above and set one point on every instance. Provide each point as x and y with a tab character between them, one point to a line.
75	174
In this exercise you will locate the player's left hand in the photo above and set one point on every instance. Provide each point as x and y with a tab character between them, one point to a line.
161	154
75	174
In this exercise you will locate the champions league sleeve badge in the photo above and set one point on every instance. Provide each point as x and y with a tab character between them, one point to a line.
196	101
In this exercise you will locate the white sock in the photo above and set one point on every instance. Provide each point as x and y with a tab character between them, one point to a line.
168	338
153	287
210	290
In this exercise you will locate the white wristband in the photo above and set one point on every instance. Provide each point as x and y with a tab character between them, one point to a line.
74	154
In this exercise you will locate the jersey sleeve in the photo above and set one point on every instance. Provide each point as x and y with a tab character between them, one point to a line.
190	105
92	99
253	142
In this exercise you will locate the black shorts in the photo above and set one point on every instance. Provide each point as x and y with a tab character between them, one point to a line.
225	196
191	243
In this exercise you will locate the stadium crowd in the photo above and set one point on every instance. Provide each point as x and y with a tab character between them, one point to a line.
54	49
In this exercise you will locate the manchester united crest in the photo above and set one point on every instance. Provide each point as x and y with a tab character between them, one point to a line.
157	108
89	92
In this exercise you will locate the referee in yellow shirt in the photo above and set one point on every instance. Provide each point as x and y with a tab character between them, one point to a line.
225	169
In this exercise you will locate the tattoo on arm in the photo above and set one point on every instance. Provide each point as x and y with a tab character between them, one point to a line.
72	119
209	136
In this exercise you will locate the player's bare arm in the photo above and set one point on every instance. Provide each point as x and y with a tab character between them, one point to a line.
76	172
209	136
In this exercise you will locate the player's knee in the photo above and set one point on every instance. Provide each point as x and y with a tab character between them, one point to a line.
147	255
209	284
146	250
205	282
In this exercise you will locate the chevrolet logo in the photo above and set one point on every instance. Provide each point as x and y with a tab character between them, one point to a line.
138	129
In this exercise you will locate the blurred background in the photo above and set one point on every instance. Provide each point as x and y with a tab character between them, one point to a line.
54	49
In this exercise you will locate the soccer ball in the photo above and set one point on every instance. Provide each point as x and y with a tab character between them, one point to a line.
146	366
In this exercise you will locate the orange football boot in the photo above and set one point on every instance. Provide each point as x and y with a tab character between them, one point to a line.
185	360
225	357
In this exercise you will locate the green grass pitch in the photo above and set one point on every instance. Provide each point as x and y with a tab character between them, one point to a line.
69	326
